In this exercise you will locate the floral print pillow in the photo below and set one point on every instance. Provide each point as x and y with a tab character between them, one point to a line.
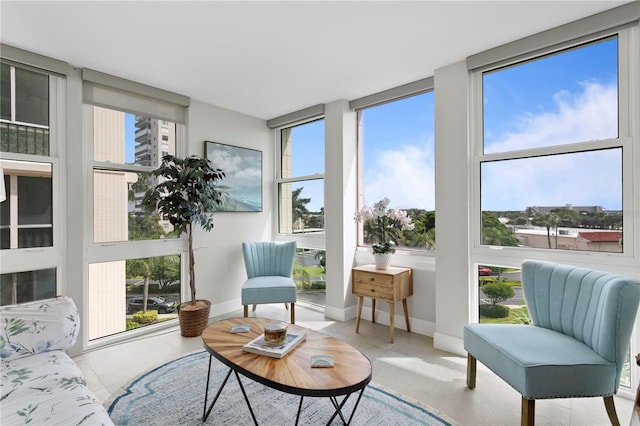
40	326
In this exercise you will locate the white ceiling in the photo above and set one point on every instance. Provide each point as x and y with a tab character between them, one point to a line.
266	58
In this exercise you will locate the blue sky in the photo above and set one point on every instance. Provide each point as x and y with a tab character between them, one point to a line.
398	152
561	99
564	98
129	131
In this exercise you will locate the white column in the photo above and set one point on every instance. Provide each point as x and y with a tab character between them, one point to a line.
340	205
453	194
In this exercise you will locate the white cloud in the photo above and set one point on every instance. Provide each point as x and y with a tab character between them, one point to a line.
592	178
405	176
588	115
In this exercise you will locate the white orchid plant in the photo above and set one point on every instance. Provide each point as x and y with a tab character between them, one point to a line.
382	225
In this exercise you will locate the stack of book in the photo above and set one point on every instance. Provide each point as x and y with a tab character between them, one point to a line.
258	345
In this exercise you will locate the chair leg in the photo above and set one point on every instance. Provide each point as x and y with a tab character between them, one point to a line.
471	371
293	313
611	410
246	310
254	307
528	411
286	306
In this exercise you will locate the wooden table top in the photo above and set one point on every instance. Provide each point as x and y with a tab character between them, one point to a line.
293	373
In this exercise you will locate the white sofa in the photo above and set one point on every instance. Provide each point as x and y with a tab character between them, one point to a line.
40	384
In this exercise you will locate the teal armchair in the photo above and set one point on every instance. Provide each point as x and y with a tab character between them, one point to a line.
578	341
269	268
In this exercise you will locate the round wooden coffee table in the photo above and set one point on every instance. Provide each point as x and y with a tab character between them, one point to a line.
292	373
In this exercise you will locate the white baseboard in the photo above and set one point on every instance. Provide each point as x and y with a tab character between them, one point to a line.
449	343
423	327
426	328
220	309
340	314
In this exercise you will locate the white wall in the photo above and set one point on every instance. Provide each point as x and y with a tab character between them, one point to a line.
340	199
219	266
452	200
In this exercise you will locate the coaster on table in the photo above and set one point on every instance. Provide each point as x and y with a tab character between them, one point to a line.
240	328
318	361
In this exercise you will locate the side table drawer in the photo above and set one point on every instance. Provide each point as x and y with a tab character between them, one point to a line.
373	279
367	289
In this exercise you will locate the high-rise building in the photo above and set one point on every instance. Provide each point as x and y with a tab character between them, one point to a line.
154	139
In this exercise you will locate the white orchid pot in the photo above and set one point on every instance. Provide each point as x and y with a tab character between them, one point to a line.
383	260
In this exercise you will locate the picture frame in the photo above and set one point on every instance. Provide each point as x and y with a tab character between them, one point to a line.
242	187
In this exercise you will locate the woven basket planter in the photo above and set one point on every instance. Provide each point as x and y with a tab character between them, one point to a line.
194	317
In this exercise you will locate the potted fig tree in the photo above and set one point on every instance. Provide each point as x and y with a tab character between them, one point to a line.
184	193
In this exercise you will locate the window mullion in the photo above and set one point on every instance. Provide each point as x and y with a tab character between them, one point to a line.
301	178
13	211
102	165
554	150
12	73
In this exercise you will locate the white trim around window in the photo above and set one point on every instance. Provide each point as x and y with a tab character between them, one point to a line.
628	75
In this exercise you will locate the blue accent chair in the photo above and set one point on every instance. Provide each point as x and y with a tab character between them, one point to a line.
578	341
269	268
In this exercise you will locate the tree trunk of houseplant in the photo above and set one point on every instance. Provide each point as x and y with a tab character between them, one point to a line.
193	315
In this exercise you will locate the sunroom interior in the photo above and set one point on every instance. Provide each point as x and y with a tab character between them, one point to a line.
243	74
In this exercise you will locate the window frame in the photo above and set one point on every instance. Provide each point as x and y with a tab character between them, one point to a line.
98	89
624	141
392	95
628	139
315	240
16	260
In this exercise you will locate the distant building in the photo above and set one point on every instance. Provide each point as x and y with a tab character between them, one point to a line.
608	241
550	209
154	139
570	239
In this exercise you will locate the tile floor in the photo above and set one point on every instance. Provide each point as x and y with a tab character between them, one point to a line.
410	366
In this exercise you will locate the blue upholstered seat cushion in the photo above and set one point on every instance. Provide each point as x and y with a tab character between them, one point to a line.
540	363
269	289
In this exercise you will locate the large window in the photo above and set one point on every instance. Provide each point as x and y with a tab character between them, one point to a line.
29	165
397	161
20	287
26	218
24	111
554	159
552	153
122	140
154	281
128	133
301	179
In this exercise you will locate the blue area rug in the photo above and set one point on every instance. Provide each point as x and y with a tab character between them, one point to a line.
173	394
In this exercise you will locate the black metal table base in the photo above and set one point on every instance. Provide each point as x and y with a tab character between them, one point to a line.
334	400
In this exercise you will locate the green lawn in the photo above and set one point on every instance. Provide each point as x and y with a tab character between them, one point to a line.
485	280
516	316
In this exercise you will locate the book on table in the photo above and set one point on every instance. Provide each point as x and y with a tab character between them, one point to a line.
258	345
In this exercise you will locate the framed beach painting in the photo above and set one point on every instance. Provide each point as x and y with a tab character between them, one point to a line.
242	187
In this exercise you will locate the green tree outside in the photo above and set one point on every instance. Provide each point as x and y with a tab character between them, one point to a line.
495	233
